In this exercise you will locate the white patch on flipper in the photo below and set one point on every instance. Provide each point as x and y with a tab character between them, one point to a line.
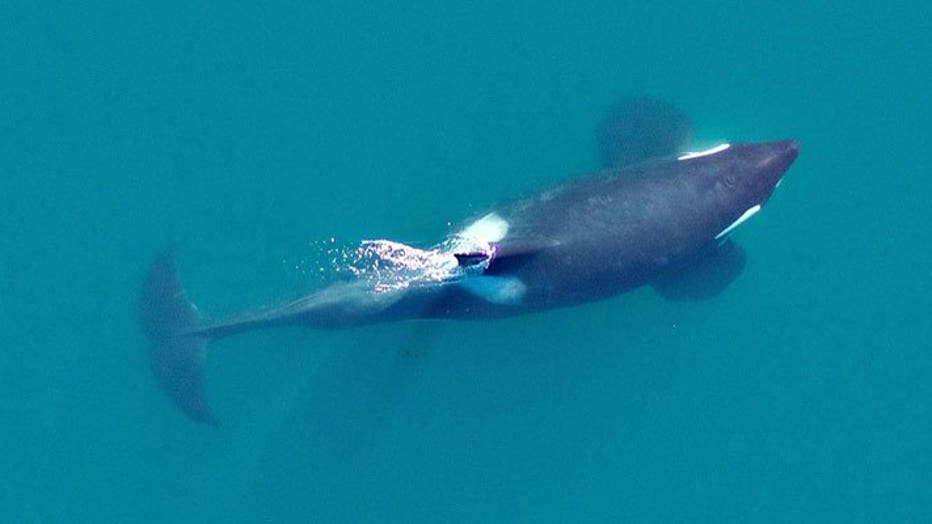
490	228
507	291
742	219
696	154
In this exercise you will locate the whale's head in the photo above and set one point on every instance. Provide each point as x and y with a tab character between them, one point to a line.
738	179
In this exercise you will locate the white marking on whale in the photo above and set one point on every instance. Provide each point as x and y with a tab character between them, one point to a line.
497	290
743	218
696	154
490	228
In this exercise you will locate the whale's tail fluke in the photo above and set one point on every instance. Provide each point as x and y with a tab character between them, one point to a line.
177	356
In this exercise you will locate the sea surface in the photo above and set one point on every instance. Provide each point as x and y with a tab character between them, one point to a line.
257	137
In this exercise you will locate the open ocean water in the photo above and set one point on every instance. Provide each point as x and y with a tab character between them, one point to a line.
249	134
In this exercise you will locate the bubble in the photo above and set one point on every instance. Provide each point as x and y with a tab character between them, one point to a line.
387	265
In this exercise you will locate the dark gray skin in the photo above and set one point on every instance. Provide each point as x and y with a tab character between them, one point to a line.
623	228
657	223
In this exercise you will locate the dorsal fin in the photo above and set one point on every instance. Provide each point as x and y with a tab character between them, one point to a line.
512	253
640	128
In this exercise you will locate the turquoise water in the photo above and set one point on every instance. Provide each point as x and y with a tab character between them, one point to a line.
247	135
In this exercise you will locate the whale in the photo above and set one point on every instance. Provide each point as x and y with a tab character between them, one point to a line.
653	214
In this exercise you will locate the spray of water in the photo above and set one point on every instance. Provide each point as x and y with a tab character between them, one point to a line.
387	265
